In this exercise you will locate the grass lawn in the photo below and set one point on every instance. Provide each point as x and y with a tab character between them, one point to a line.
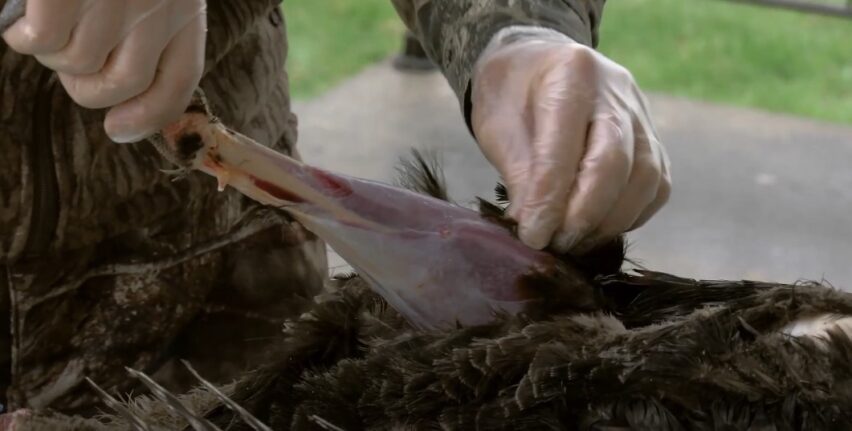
332	39
713	50
731	53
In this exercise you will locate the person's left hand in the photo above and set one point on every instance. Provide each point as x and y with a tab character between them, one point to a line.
570	133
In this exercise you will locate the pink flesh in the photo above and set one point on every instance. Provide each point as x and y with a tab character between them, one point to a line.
436	263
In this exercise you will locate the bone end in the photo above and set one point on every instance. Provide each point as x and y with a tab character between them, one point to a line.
180	141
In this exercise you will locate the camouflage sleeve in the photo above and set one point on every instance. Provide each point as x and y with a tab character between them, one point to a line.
455	32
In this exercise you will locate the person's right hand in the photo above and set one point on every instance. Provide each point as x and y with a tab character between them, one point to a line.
571	134
141	58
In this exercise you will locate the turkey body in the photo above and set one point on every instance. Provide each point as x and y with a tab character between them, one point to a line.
652	352
669	354
683	354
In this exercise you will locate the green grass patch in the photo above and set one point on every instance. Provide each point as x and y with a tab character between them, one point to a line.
332	39
713	50
736	54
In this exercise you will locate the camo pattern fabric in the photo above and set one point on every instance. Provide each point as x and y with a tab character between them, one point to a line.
455	32
107	262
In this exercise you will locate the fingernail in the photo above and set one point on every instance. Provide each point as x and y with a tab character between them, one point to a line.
128	123
122	133
565	241
126	139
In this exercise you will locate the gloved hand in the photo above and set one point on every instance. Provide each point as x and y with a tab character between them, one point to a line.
571	134
141	58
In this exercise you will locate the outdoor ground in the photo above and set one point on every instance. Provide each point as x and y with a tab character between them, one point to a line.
775	60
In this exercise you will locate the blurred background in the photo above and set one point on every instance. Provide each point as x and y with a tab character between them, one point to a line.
753	103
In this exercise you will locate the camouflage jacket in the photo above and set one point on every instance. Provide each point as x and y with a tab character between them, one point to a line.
107	262
455	32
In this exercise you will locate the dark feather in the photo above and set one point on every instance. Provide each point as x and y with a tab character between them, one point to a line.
697	370
659	359
133	420
246	417
174	403
496	214
502	194
422	173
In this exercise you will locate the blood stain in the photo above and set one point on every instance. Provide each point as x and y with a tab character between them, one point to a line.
275	191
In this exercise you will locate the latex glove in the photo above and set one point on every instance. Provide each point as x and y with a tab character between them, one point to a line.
571	134
141	58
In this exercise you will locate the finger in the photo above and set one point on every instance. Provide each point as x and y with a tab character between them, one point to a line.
45	28
642	189
132	67
603	175
561	120
663	193
179	74
95	36
505	142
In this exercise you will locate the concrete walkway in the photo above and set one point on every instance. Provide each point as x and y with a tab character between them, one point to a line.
756	195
